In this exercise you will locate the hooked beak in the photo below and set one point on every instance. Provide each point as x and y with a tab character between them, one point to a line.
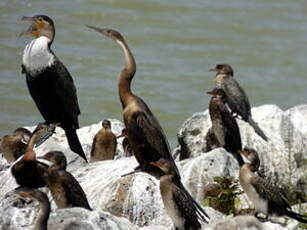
155	163
210	92
32	30
99	30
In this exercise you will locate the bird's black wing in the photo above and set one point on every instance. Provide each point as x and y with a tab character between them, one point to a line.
269	192
66	94
74	192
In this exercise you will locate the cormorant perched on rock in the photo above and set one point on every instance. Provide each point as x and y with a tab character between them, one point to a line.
178	205
44	212
26	170
104	144
12	146
65	189
49	82
126	145
236	98
146	137
266	198
224	126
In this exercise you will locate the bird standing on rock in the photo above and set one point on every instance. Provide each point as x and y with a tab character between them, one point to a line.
49	82
236	98
266	198
224	126
146	137
104	143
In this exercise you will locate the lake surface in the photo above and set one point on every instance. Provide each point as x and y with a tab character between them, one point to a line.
175	43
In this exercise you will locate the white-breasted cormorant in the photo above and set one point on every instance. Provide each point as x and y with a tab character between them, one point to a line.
146	137
224	125
236	98
266	198
104	143
49	82
41	221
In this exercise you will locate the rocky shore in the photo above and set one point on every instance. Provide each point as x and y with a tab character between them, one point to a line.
134	202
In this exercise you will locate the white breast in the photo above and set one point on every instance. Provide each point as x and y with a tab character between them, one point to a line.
36	55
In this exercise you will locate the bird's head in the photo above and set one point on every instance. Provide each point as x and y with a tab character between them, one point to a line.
217	92
164	165
251	155
106	124
41	25
113	34
57	158
223	69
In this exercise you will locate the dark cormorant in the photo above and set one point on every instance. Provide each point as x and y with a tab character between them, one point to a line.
178	205
266	198
224	125
44	212
49	82
65	189
104	143
12	146
146	137
236	98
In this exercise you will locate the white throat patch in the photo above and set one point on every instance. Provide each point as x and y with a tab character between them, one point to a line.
36	55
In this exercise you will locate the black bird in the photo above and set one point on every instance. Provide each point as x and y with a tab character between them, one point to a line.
224	125
44	212
236	98
49	82
146	137
266	197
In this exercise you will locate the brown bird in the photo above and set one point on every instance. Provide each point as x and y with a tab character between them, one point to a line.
176	202
146	137
25	170
224	126
13	145
126	145
104	144
65	189
44	212
236	97
266	197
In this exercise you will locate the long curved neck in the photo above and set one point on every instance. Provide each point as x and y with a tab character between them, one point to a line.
126	75
43	215
29	153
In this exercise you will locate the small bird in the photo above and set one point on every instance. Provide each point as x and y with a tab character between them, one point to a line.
126	145
104	144
224	126
44	212
236	98
178	205
266	197
49	82
12	146
65	189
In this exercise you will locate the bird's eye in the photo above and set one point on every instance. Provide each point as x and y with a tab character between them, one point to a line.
40	19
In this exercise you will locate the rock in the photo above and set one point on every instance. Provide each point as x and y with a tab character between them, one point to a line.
284	154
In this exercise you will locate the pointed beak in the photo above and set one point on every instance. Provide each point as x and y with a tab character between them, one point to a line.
213	70
99	30
210	92
155	164
44	161
32	30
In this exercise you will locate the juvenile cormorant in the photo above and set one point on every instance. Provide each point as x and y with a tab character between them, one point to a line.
145	135
224	125
44	212
49	82
26	170
236	98
178	205
126	145
104	143
266	198
12	146
65	189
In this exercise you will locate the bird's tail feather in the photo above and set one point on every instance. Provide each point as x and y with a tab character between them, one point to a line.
74	143
257	128
200	211
297	216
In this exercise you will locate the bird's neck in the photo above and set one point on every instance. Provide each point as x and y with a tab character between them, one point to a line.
43	215
29	153
126	75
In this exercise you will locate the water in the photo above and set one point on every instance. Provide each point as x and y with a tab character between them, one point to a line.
175	43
